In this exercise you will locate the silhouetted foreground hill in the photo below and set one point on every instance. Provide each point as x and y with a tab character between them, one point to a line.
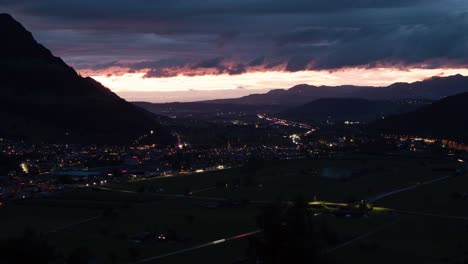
341	109
447	118
43	99
433	88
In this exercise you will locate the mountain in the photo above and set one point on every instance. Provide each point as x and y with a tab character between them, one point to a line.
294	96
447	118
342	109
43	99
433	88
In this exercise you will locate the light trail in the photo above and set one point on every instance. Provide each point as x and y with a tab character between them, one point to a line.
204	245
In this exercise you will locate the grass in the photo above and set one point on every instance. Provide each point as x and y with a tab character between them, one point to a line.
440	198
412	240
141	212
289	178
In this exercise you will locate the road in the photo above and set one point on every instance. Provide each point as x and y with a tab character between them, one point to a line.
208	244
400	190
372	199
454	217
372	232
170	175
408	188
182	196
74	224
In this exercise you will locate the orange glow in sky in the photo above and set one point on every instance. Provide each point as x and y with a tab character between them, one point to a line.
239	85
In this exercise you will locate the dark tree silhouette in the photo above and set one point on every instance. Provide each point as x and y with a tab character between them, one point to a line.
80	256
250	171
30	248
110	214
289	235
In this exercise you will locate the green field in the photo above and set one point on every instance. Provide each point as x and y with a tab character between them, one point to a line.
289	178
431	239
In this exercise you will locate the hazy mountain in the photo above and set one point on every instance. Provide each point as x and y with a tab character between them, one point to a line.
433	88
447	118
341	109
42	98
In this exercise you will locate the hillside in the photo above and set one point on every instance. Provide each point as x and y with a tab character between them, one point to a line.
341	109
433	88
43	99
447	118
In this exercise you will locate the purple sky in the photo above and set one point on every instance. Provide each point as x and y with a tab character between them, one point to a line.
163	39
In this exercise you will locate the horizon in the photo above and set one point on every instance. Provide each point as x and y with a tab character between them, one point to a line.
168	49
192	96
233	131
195	95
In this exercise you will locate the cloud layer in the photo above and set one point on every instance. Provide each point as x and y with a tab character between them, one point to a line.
212	37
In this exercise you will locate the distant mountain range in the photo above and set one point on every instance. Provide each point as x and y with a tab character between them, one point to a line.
447	118
434	88
43	99
348	109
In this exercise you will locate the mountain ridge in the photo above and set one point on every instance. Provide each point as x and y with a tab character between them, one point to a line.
44	99
433	88
446	118
344	109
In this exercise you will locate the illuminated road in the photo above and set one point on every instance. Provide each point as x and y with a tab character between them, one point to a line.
283	122
347	243
381	196
184	173
204	245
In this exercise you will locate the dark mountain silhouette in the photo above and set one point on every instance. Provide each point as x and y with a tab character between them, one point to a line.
434	88
43	99
341	109
447	118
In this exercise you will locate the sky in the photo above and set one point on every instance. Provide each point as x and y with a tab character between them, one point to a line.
186	50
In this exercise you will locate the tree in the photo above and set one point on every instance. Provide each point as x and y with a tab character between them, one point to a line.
289	235
190	219
134	253
250	171
80	256
110	214
30	248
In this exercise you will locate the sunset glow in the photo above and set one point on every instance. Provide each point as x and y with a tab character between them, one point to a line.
130	84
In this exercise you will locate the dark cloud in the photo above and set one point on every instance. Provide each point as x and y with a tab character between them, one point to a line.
297	63
210	63
158	73
168	38
226	37
257	62
237	69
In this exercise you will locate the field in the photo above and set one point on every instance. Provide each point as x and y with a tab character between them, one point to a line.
107	221
432	227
